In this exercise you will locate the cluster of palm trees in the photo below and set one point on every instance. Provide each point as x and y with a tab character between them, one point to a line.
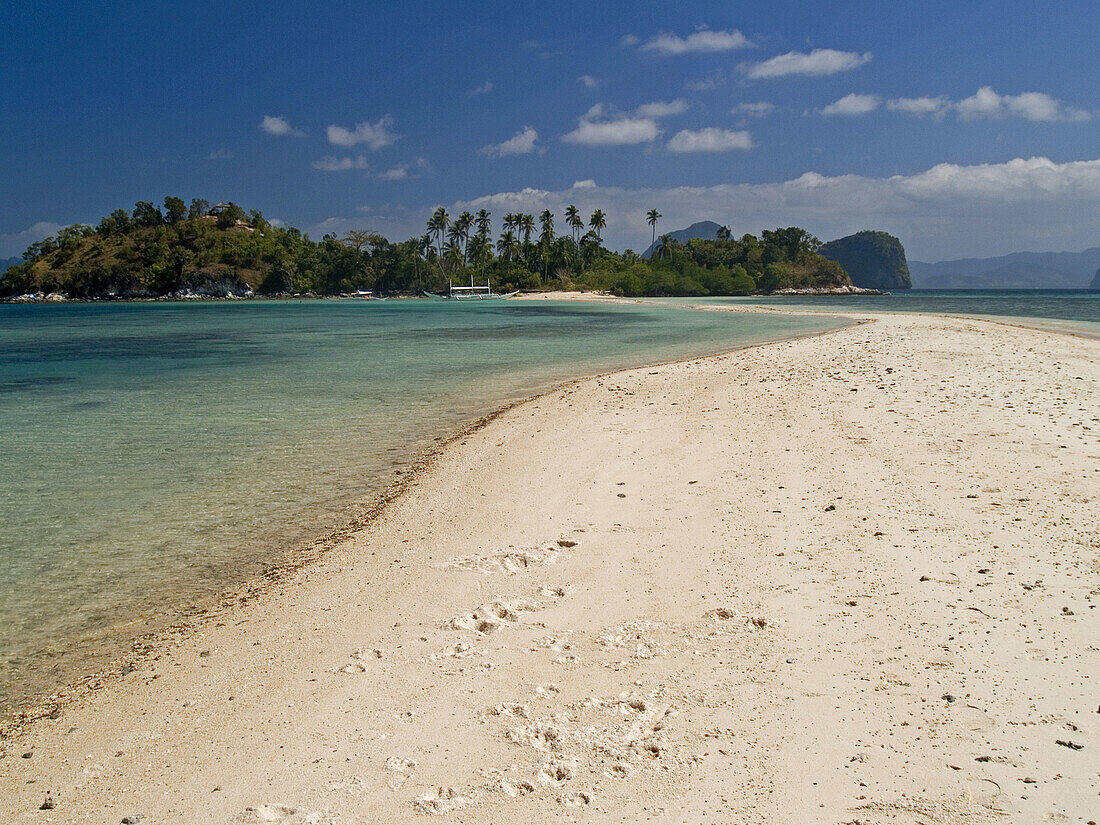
454	244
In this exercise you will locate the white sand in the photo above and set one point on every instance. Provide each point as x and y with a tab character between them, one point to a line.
785	559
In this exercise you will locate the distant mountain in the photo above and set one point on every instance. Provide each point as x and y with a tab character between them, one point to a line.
707	230
874	260
6	262
1020	270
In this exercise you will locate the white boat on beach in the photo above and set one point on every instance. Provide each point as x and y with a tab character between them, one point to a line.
471	293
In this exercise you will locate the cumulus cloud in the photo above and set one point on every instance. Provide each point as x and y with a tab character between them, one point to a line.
483	89
279	126
584	184
753	109
701	40
815	64
523	142
947	211
403	171
602	125
375	135
629	40
853	104
1034	106
659	109
588	81
709	140
335	164
14	243
221	154
919	105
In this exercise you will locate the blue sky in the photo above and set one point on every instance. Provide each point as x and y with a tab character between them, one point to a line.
964	128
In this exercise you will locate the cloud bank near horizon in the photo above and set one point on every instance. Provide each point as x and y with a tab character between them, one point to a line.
945	212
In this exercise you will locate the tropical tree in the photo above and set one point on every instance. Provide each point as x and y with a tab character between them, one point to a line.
546	238
463	223
724	233
598	222
651	217
480	252
573	218
507	246
526	225
437	227
484	223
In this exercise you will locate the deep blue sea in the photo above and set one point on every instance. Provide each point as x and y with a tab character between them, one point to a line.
153	453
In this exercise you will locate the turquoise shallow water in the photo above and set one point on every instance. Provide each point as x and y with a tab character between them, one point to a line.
155	452
1076	311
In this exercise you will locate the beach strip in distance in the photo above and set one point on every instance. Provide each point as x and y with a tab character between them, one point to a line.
843	578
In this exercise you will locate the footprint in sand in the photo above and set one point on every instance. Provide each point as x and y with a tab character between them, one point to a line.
286	815
440	801
488	618
556	592
512	561
575	800
511	787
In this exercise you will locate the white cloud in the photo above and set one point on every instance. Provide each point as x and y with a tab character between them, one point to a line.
853	104
1034	106
705	84
375	135
334	164
584	184
709	140
621	132
279	126
701	40
522	142
597	127
483	89
221	154
402	171
629	40
588	81
13	244
948	211
758	109
919	105
659	109
815	64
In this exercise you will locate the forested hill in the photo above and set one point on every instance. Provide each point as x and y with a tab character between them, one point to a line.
181	249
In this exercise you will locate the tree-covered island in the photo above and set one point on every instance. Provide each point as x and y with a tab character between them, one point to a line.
220	249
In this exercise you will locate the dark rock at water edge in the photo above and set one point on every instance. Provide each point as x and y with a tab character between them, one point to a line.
874	260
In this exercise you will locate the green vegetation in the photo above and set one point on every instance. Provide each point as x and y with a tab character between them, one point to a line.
875	260
217	250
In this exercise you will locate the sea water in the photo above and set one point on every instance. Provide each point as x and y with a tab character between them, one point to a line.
1060	310
154	453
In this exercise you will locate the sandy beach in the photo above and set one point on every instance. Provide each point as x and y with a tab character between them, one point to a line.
843	579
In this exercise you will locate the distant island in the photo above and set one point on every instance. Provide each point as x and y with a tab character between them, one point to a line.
220	250
873	260
1020	270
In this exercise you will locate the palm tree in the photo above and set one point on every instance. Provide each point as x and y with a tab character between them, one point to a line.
598	221
481	252
573	218
437	226
546	238
484	222
463	222
507	246
510	222
651	217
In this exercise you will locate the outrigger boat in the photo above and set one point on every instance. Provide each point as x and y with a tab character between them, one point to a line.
471	293
362	294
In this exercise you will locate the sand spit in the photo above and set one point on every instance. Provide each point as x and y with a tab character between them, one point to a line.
842	579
